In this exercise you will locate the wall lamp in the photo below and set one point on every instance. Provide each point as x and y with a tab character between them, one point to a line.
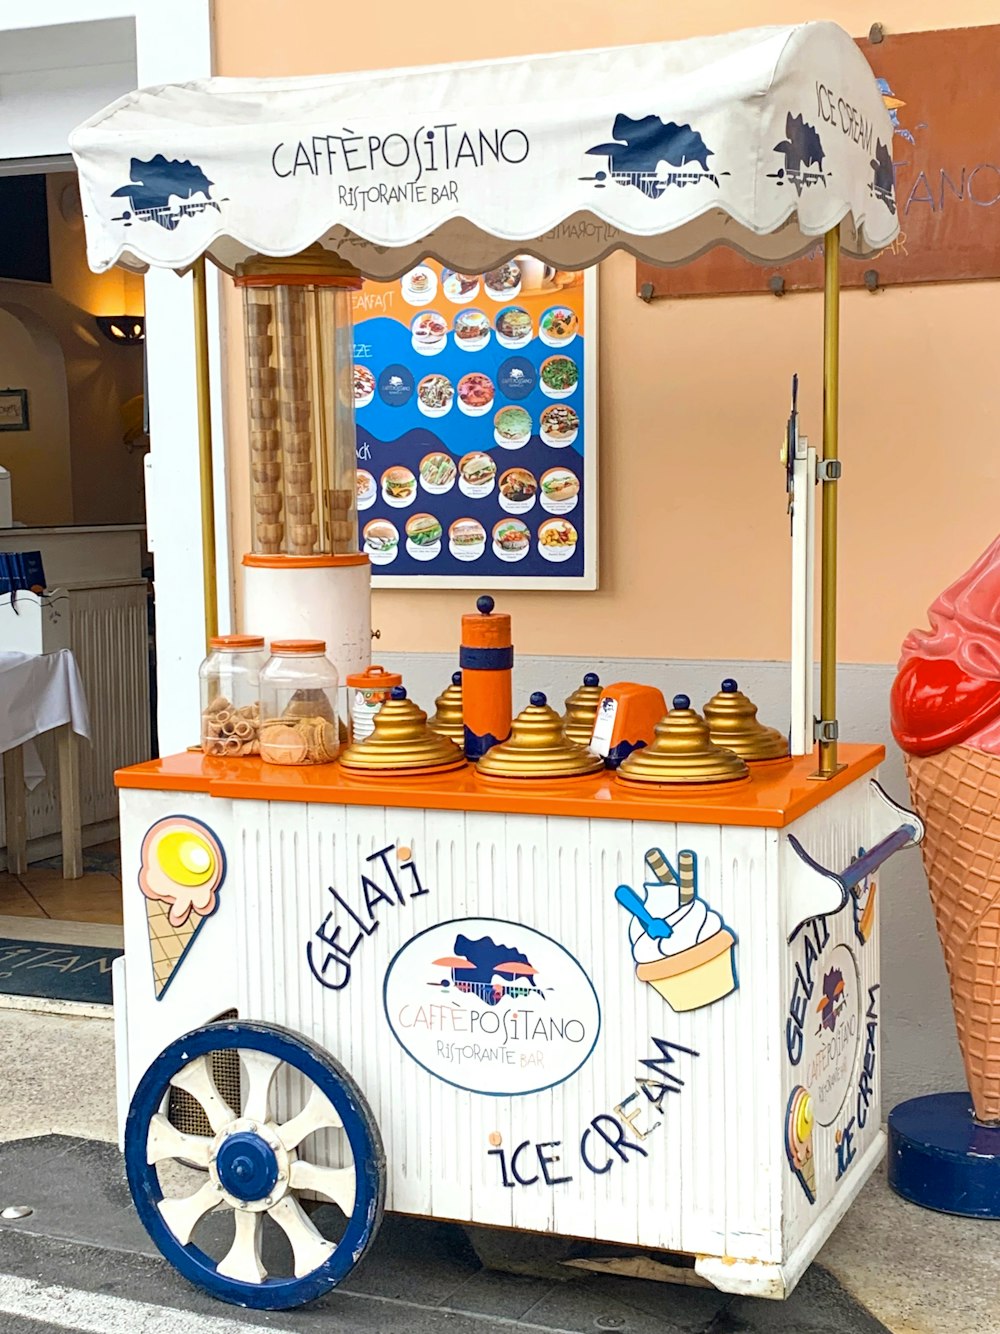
125	330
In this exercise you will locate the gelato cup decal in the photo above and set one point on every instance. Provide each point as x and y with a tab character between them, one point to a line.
181	872
680	945
799	1122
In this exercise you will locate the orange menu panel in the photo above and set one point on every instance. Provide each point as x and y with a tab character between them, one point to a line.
777	793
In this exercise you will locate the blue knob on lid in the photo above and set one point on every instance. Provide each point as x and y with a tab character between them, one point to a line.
729	686
591	679
538	699
456	678
681	702
485	604
397	692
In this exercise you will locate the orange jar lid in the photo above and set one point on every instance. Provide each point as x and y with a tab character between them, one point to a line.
375	678
236	641
282	646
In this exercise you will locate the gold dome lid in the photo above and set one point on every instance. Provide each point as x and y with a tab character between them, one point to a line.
448	719
581	710
682	752
732	722
401	742
538	748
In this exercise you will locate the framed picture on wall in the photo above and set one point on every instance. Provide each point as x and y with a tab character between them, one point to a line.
476	406
13	409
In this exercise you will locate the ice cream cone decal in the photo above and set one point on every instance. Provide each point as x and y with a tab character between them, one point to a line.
798	1140
680	945
181	872
946	716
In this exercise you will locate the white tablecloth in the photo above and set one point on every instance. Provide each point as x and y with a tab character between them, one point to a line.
37	693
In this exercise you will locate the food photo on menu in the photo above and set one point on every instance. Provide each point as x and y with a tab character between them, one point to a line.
469	408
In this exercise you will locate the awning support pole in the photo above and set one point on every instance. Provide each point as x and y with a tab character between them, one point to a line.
827	727
209	585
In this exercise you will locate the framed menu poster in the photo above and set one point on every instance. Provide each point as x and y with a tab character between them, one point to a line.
476	405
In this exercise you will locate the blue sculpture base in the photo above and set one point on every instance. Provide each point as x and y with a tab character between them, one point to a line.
943	1159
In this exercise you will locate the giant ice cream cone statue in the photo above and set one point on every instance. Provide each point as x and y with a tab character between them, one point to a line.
946	717
182	869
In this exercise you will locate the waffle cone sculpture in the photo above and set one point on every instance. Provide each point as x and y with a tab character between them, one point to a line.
946	717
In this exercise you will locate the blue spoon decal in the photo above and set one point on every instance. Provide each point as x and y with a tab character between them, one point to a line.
655	927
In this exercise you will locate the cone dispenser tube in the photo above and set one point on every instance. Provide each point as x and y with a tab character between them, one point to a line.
486	658
300	396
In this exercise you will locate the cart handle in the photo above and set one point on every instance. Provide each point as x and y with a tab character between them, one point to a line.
823	891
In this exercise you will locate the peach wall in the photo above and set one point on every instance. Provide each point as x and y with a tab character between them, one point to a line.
694	394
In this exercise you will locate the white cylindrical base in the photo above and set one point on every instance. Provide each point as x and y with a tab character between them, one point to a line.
328	602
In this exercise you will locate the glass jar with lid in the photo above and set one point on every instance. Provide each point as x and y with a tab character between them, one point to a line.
299	721
367	691
229	680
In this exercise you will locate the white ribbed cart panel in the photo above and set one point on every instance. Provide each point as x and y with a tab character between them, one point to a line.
838	1063
702	1166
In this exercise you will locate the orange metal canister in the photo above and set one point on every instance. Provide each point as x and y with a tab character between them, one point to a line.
486	657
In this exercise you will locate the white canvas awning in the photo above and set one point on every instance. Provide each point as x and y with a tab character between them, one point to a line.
762	140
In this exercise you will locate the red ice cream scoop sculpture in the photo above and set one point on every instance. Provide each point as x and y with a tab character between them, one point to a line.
946	717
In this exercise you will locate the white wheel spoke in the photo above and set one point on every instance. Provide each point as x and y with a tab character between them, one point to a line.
196	1079
260	1070
318	1114
243	1261
182	1216
308	1247
166	1141
333	1183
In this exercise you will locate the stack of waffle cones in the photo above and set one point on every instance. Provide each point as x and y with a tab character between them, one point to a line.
296	423
957	795
265	438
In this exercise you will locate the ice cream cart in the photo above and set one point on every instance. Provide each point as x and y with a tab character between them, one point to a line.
620	986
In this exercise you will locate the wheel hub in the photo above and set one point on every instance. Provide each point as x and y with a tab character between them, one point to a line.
249	1165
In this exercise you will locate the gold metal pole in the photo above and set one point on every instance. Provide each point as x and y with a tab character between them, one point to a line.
828	765
209	586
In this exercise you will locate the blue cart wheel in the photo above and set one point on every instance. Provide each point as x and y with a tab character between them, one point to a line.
255	1164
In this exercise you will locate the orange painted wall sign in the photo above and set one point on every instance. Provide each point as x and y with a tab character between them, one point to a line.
938	87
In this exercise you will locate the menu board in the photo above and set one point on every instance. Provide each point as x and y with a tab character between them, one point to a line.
475	399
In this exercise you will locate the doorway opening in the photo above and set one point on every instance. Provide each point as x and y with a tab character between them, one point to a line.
72	351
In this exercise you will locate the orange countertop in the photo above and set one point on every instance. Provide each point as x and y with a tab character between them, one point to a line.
776	794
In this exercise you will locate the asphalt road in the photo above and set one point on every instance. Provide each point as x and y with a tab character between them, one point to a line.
81	1262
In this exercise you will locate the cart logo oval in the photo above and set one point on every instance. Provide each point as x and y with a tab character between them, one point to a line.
492	1006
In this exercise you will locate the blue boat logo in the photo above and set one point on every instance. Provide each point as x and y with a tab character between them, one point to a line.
803	154
488	971
653	155
164	192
